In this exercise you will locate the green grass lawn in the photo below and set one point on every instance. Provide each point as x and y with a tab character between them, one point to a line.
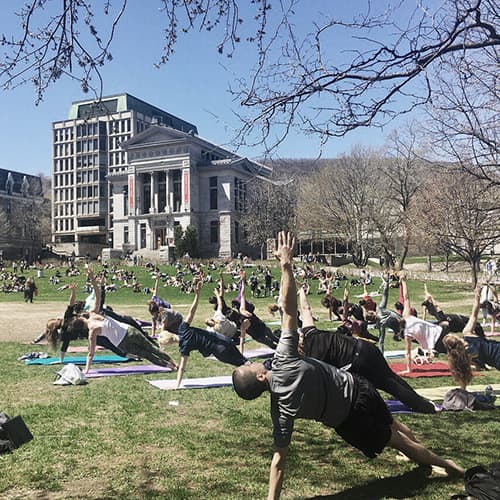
119	437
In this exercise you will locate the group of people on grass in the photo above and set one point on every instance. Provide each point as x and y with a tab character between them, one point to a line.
328	376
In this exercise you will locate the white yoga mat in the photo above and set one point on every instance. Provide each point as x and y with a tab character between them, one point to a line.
394	354
194	383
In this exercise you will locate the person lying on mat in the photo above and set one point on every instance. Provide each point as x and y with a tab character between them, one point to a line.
472	349
357	356
125	337
190	338
428	335
302	387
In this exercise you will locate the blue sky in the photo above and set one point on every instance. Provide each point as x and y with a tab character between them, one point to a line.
193	85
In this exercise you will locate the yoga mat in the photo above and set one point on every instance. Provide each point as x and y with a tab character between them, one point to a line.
194	383
394	354
437	369
78	360
83	348
259	352
437	393
274	323
398	408
127	370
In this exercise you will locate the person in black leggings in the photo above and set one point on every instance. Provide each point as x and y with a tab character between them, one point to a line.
450	322
357	356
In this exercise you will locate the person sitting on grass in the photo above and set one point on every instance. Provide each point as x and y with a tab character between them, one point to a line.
190	338
302	387
124	337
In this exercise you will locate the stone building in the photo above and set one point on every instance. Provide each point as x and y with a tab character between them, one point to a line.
21	198
174	177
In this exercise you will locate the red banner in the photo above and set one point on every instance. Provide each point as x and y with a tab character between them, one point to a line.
131	193
185	177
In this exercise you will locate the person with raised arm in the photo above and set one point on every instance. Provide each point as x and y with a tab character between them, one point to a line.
190	338
428	335
306	388
104	330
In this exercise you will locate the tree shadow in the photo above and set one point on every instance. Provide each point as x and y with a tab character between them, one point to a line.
407	485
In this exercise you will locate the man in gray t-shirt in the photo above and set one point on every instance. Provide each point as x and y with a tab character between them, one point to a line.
308	388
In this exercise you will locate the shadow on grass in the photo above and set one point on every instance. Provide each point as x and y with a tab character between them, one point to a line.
407	485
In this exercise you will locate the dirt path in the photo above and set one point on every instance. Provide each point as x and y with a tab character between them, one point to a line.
23	322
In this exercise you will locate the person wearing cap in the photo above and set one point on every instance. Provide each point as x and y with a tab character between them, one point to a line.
307	388
191	338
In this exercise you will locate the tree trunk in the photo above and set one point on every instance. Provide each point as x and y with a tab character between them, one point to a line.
475	264
429	263
262	248
447	262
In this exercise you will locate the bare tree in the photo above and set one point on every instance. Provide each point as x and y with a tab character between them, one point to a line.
341	75
341	198
400	177
460	214
271	207
464	125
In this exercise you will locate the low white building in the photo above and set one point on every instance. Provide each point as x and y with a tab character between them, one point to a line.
174	177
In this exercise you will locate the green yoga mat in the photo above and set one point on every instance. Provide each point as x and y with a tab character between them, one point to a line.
78	360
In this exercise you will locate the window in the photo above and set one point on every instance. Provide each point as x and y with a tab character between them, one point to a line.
214	231
125	235
177	190
125	199
236	231
213	192
240	192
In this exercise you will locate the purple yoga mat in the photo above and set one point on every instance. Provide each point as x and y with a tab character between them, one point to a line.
127	370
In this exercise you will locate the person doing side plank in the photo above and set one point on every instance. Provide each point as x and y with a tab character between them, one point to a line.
428	335
191	338
471	349
307	388
357	356
123	336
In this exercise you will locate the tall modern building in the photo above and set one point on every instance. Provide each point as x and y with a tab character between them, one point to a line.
86	148
125	173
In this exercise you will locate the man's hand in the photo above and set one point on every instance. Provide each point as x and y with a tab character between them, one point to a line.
286	244
197	287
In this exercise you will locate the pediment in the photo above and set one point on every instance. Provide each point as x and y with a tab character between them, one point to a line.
154	135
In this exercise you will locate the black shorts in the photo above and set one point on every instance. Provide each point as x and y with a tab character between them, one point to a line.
368	426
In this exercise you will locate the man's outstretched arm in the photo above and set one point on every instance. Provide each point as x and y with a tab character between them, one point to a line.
284	254
277	472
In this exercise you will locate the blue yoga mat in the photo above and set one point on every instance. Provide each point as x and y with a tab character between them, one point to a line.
78	360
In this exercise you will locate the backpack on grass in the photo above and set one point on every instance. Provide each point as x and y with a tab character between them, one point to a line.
13	433
483	483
